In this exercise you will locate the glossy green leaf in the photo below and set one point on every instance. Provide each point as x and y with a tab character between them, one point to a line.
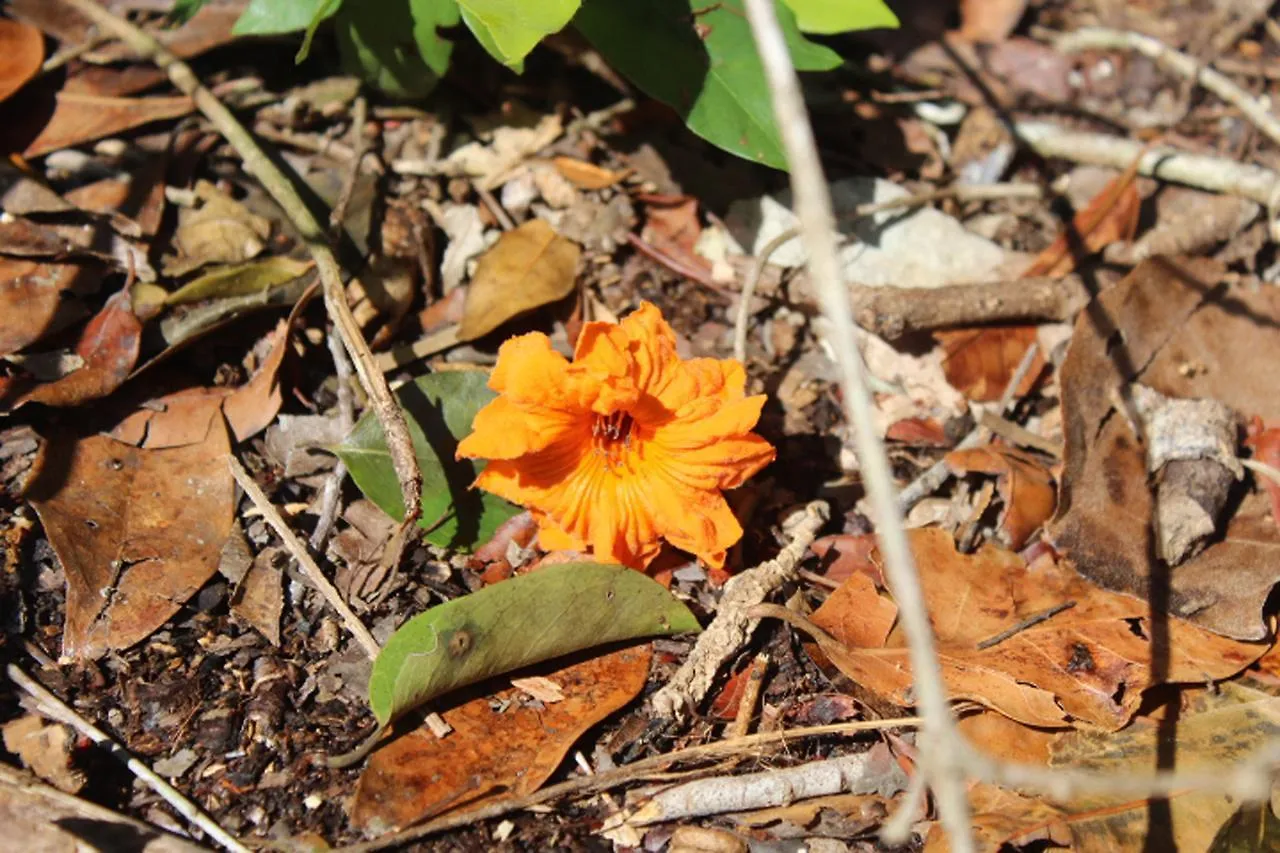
841	16
378	42
708	70
273	17
548	613
183	11
240	280
509	29
439	408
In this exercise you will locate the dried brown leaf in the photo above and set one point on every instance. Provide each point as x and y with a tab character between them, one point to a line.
1088	664
138	532
1167	326
1025	486
80	118
109	348
528	267
21	54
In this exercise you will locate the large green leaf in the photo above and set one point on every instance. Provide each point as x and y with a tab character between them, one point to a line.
273	17
841	16
509	29
439	408
379	43
699	57
428	17
548	613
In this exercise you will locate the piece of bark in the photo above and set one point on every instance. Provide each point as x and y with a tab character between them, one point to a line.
892	312
1191	451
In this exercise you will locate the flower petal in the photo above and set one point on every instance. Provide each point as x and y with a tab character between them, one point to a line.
506	430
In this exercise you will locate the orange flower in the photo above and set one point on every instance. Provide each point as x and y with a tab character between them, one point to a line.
623	447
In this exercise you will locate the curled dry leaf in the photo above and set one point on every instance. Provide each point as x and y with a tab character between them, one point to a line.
513	750
109	350
21	54
585	175
1088	664
1025	485
220	230
137	532
181	418
528	267
1167	326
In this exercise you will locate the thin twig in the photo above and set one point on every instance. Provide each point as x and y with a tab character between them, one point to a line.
1214	174
1098	38
495	207
299	552
741	724
331	493
749	290
645	768
51	706
1030	622
673	264
258	164
814	212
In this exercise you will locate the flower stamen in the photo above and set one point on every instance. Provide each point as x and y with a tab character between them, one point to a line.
611	435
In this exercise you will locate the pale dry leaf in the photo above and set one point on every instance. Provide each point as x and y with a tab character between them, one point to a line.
528	267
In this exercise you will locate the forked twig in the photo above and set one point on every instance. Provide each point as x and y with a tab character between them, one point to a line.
940	738
258	164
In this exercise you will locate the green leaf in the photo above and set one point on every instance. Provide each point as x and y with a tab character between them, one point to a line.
273	17
428	17
827	17
548	613
709	70
378	42
509	29
183	11
439	408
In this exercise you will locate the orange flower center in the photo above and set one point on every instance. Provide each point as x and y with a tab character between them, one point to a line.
611	435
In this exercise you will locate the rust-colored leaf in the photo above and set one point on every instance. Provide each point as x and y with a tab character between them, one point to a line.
31	298
109	347
586	176
1025	486
674	230
989	21
137	532
528	267
80	118
1266	449
1167	326
500	742
1109	216
1090	663
844	555
979	363
21	54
